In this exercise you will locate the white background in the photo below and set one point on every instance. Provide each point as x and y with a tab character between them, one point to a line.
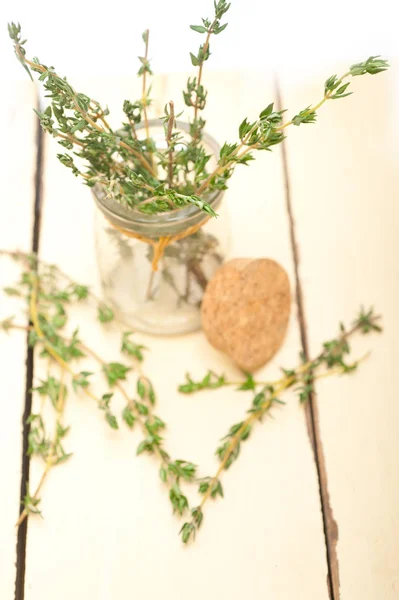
82	38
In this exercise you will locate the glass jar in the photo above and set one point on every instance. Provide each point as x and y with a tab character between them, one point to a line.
168	300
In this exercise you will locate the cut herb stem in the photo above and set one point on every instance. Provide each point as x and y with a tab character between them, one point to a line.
332	357
52	456
169	131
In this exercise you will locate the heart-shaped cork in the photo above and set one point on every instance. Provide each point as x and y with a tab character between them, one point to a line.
245	310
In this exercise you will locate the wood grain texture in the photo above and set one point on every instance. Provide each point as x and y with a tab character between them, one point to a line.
16	224
108	531
344	188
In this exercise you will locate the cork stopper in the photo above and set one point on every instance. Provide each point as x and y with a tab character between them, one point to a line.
245	310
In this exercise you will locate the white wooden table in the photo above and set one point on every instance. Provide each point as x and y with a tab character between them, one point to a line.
313	502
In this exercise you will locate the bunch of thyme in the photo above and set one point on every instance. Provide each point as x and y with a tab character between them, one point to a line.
129	166
48	293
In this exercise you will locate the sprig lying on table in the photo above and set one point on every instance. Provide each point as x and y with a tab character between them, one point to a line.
47	293
333	359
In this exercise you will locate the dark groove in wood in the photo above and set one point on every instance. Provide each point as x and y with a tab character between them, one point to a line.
25	470
312	416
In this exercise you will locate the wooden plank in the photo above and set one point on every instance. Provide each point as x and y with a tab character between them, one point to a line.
107	521
344	182
16	225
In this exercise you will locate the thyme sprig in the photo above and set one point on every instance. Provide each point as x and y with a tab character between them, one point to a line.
268	130
195	94
133	170
145	69
333	359
39	444
48	293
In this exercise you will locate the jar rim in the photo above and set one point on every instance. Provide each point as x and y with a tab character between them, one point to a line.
163	223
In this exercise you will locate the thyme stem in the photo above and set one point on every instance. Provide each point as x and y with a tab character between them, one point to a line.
88	119
169	131
146	37
52	452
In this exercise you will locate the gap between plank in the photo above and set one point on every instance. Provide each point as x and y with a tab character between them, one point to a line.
330	526
25	464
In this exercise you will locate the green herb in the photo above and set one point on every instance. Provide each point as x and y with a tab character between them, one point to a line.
115	371
105	314
210	381
43	287
178	499
49	449
30	505
81	380
128	417
129	166
7	324
131	348
331	360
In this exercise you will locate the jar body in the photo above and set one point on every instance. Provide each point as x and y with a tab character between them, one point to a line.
168	300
